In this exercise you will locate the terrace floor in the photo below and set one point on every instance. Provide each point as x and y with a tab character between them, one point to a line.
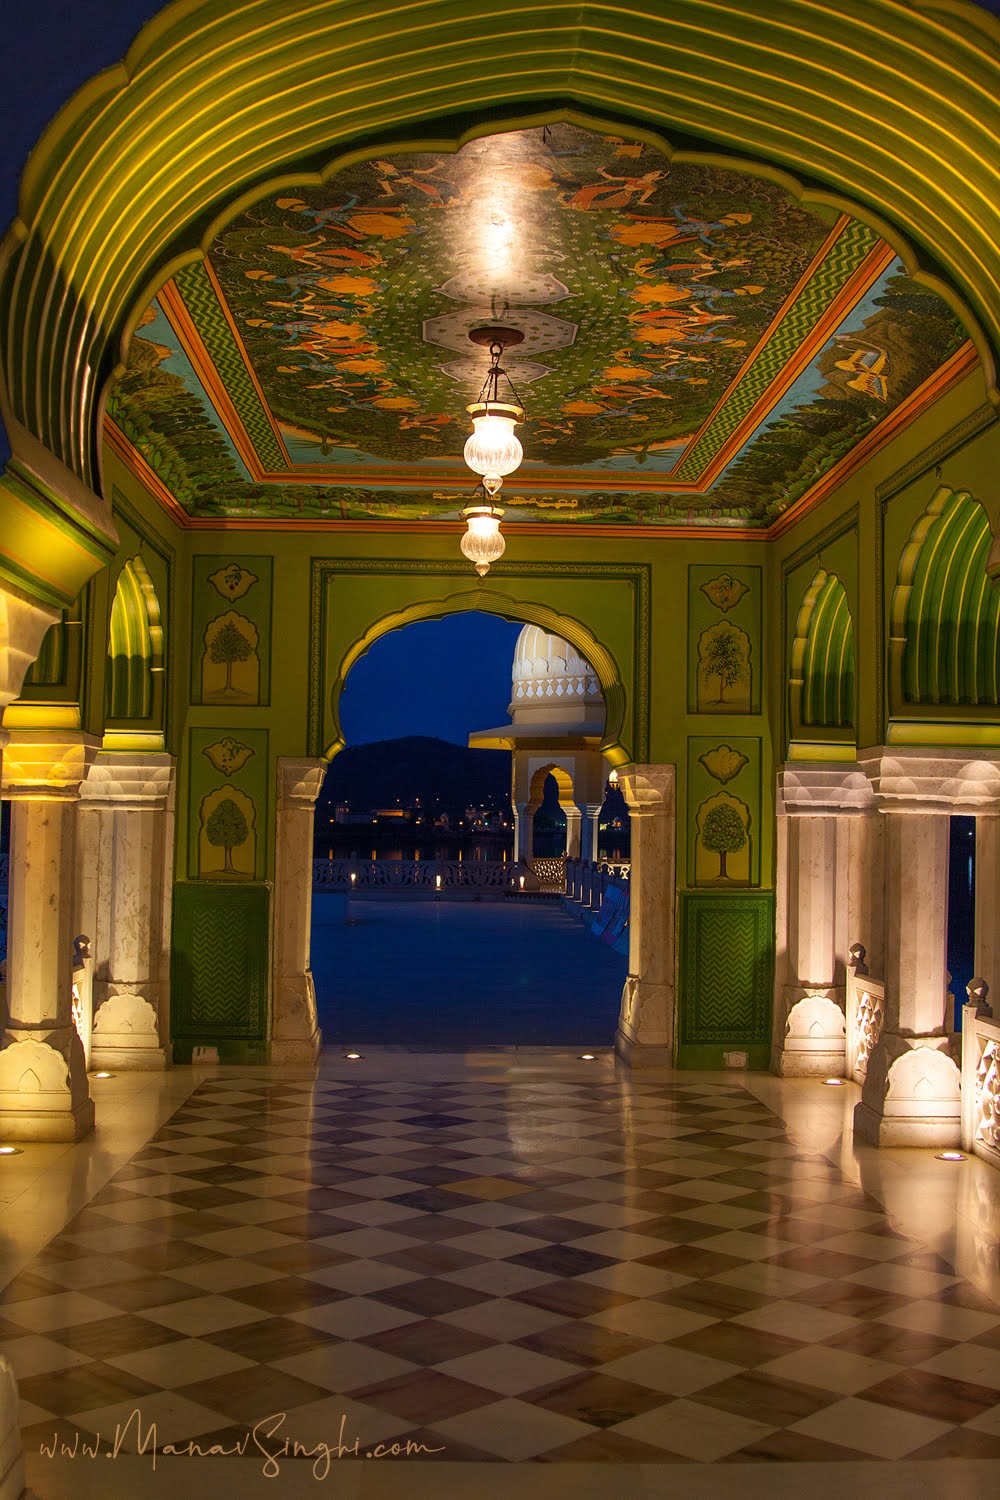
683	1285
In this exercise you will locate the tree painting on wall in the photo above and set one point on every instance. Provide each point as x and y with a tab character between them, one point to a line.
230	665
724	672
723	841
225	829
227	839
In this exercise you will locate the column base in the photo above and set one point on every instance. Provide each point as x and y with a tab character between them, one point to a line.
43	1088
911	1094
299	1050
641	1054
130	1059
814	1041
125	1038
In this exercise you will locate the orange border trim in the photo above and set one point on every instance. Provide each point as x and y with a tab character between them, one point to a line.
190	339
961	363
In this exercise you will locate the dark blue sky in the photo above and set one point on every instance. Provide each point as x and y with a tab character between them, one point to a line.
437	677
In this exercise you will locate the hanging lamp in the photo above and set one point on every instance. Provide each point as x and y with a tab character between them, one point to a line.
492	450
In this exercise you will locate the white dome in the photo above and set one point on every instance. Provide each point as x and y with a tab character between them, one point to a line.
549	670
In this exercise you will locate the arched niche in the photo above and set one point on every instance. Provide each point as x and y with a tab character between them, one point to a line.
944	619
821	681
133	697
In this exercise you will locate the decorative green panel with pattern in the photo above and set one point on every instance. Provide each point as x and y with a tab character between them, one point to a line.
727	964
219	969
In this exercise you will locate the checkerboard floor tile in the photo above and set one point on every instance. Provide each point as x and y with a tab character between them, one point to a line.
506	1272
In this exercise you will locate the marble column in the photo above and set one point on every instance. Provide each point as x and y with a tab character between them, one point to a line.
124	867
43	1079
591	812
816	801
295	1034
524	829
987	941
912	1092
645	1033
574	824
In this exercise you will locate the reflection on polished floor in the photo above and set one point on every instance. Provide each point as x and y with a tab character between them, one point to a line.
664	1284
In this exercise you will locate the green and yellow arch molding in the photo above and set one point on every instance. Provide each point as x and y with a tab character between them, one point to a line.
888	107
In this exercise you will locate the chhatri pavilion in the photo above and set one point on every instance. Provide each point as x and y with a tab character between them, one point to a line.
669	331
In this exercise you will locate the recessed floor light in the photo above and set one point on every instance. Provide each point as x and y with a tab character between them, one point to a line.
835	1083
353	1056
950	1156
102	1075
10	1151
587	1057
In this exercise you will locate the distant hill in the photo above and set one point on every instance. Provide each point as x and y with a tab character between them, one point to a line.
444	776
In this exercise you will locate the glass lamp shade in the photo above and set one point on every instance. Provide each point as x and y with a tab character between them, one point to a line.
482	543
493	448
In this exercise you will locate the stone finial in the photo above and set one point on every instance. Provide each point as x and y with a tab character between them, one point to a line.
81	950
977	990
858	953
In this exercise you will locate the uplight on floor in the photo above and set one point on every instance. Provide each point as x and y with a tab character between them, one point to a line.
353	1056
10	1151
950	1156
834	1083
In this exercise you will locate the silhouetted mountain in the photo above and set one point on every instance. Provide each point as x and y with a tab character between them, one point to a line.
445	777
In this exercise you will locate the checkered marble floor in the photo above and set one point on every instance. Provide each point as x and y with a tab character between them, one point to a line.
650	1273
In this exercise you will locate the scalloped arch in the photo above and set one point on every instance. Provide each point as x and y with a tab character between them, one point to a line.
505	605
821	682
945	612
893	105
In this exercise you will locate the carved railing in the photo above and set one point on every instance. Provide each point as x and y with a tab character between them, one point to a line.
411	874
865	1016
587	880
980	1076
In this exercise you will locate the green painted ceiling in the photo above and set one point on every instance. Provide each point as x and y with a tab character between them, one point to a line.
699	347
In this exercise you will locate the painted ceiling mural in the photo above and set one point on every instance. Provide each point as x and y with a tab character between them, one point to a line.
699	347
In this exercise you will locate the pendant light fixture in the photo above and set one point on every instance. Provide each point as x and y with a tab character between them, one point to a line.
492	451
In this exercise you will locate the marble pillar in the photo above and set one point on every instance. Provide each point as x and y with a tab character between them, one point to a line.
43	1079
816	802
987	941
591	812
524	830
295	1034
645	1033
574	828
11	1452
124	864
912	1091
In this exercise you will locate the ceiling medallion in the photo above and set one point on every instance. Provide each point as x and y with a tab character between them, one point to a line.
492	450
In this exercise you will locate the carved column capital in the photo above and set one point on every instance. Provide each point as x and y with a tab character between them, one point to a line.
835	789
649	790
122	779
299	781
47	765
910	779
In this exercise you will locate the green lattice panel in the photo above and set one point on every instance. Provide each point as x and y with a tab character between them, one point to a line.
727	964
206	314
218	971
845	256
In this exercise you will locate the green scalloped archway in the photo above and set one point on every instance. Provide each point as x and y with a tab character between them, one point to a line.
893	106
525	611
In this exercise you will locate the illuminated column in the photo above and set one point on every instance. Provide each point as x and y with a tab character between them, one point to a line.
524	828
591	830
987	959
295	1034
815	877
646	1024
574	822
43	1079
125	855
911	1095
